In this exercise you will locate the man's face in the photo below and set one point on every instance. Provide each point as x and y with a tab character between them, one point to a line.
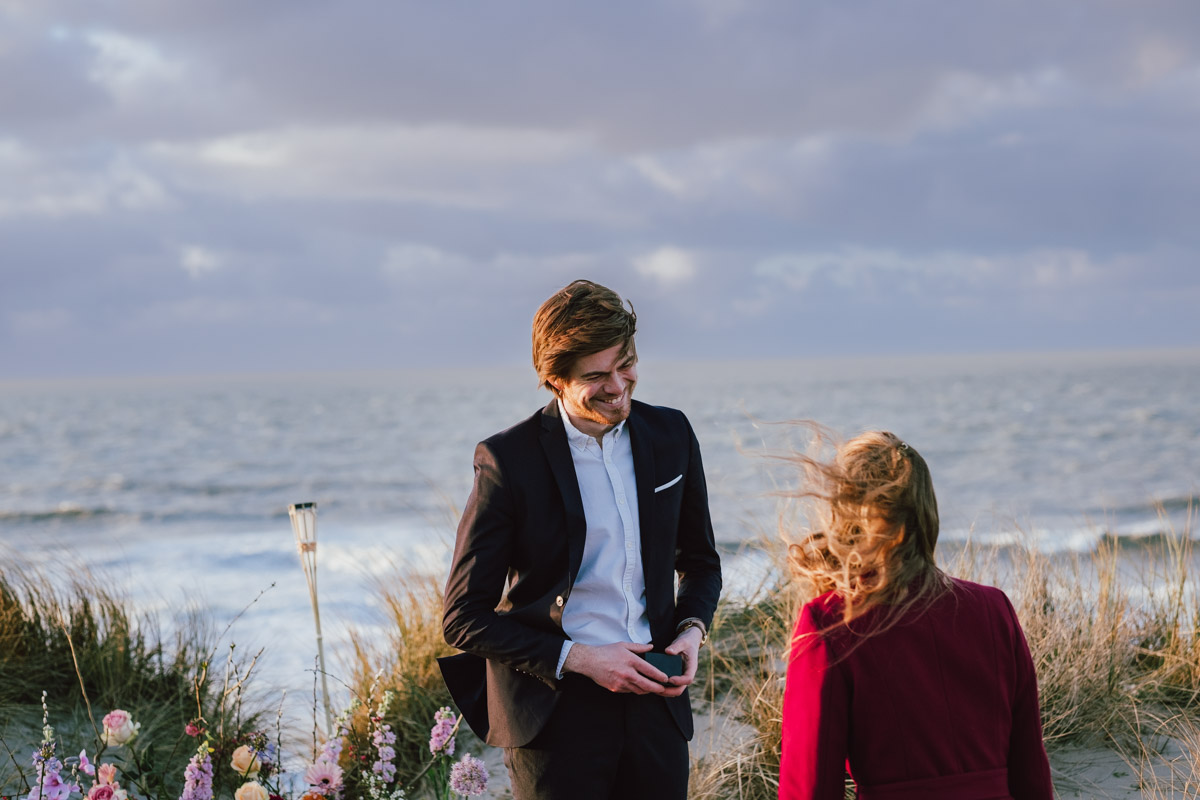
598	392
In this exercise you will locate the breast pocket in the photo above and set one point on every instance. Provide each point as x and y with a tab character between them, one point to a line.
668	484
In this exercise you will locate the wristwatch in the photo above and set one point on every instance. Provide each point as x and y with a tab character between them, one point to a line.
693	622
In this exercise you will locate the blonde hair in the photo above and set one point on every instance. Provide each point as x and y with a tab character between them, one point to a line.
877	527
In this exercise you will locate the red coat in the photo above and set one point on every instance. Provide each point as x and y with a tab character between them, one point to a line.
942	705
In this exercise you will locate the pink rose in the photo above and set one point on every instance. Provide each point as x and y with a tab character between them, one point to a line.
119	727
101	791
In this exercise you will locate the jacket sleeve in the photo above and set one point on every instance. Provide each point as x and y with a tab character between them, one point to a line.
479	573
1028	767
816	718
696	559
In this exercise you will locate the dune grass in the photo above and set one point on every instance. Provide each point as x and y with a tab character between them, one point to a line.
89	654
1114	634
404	661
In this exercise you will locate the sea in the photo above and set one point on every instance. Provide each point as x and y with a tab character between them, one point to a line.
173	492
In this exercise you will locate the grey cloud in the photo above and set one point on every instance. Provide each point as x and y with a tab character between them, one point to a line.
279	185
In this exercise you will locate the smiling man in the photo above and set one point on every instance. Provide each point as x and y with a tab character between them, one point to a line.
562	591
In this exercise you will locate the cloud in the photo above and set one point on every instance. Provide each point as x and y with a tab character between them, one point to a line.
405	262
955	275
128	67
198	261
38	322
669	266
958	98
731	161
33	184
441	164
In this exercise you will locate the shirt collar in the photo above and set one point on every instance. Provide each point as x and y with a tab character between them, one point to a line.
580	440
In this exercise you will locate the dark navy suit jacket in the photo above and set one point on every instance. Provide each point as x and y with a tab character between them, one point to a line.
523	528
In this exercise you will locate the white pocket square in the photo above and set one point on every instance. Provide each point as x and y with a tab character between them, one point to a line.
669	483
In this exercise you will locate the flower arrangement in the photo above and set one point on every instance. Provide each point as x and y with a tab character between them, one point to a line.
361	762
350	765
358	762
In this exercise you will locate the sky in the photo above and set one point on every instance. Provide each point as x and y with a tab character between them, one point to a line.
230	186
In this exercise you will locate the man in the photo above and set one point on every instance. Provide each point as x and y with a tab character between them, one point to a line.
564	572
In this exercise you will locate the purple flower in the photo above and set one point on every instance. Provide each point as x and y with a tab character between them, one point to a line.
384	738
85	766
468	777
197	778
51	786
441	737
332	749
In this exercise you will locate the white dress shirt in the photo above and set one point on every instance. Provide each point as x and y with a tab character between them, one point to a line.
608	599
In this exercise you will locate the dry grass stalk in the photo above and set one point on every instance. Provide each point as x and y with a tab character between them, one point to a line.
1114	636
406	662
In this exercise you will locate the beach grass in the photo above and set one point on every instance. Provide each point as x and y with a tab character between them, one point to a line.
1113	633
89	654
403	660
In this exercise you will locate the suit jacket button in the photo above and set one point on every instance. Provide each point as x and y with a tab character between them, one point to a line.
558	601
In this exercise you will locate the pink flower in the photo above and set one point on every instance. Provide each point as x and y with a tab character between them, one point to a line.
193	729
441	737
101	791
119	727
469	776
85	766
116	718
106	774
324	776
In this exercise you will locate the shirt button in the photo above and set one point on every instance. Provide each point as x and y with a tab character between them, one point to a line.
558	601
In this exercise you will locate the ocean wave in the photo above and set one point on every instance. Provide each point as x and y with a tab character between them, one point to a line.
1081	539
1185	503
1182	502
108	515
63	512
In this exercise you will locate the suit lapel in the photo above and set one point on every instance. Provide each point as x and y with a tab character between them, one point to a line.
643	470
558	453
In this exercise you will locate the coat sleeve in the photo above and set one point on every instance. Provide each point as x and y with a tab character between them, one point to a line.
1028	767
816	717
479	573
696	559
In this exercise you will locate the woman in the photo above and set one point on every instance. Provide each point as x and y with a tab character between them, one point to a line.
919	685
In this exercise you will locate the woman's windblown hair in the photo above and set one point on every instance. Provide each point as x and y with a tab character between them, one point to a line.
876	527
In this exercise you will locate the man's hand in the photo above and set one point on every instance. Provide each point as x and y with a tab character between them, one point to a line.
686	644
619	668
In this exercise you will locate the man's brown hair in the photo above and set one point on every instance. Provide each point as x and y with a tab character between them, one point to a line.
578	320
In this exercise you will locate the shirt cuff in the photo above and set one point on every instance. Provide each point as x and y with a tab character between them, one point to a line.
562	659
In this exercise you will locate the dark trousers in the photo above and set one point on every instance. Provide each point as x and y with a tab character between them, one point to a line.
599	745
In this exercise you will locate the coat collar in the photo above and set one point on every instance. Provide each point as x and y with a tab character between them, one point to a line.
553	438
